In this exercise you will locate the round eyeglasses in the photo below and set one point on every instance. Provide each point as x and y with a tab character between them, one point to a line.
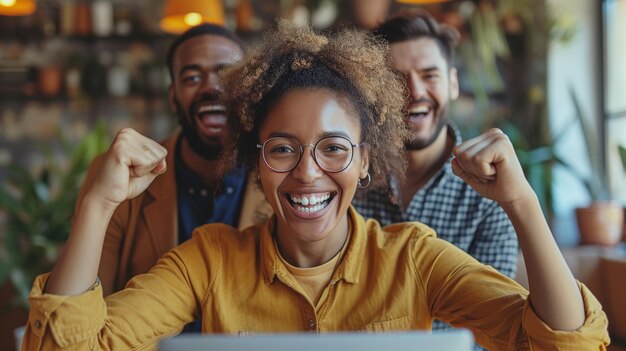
332	154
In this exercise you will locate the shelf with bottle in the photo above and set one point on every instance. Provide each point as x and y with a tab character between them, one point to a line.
93	78
61	69
87	20
94	49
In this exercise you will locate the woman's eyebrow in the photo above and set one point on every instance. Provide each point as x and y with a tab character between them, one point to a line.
322	135
282	134
334	133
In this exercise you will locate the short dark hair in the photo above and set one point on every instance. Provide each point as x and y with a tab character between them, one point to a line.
201	29
414	24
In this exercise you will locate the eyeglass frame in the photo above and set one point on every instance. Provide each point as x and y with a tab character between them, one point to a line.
261	147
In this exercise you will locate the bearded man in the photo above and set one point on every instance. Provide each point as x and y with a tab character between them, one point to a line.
192	192
421	51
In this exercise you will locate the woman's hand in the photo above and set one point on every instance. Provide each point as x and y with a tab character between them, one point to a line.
130	164
488	163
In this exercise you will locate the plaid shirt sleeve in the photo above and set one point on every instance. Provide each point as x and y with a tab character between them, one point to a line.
495	242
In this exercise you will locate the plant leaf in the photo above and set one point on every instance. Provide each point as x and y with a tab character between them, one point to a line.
622	155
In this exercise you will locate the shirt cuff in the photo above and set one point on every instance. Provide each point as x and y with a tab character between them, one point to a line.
70	319
589	336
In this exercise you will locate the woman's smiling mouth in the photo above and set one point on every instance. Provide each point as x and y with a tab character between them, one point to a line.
311	202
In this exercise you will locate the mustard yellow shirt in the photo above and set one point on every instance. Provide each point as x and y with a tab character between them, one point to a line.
314	280
389	279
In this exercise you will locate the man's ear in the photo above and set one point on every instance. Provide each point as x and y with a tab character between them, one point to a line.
171	98
454	84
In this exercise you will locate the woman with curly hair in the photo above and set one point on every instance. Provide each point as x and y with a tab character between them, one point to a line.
314	115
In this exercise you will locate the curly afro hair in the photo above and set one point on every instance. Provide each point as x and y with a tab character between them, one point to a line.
351	64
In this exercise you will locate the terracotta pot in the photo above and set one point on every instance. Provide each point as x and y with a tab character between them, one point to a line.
600	224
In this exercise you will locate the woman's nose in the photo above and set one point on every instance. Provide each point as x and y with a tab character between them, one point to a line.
307	169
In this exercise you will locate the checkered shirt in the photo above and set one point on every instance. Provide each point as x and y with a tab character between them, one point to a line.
456	212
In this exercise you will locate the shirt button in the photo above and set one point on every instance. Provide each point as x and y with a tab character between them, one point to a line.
38	324
203	193
311	324
191	191
229	190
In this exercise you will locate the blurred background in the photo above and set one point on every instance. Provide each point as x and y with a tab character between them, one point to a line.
72	73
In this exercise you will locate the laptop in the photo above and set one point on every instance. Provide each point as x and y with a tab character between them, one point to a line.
456	340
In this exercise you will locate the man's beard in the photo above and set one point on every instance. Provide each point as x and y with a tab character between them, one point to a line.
421	144
208	151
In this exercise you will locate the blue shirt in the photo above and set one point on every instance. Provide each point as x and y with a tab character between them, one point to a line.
199	205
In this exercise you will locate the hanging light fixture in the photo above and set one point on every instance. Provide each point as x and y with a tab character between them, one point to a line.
180	15
421	2
17	7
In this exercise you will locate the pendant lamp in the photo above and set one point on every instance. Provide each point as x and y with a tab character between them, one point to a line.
17	7
180	15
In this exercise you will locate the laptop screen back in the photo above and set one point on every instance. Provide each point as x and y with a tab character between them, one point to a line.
457	340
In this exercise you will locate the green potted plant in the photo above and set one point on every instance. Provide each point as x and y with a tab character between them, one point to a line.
37	209
601	222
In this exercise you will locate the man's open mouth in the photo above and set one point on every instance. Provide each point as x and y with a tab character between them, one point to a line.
212	117
419	111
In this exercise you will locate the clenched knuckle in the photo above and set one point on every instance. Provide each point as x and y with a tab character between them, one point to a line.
477	159
118	147
125	131
162	151
502	137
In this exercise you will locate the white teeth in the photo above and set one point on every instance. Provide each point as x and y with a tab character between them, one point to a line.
310	209
310	200
420	109
211	108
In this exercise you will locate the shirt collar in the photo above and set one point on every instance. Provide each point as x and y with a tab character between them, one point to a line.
454	132
348	269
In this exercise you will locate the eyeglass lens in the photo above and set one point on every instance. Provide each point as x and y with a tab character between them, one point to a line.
332	154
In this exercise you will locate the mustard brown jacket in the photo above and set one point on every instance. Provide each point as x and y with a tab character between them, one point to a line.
146	227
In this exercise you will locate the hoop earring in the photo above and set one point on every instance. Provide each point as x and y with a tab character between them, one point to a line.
369	181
